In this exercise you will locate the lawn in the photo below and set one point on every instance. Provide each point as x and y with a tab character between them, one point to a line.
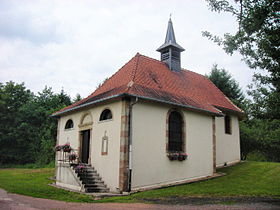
258	179
34	182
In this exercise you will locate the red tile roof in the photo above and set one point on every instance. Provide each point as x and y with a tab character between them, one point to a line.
151	79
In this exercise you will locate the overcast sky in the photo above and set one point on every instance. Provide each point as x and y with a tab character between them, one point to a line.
74	44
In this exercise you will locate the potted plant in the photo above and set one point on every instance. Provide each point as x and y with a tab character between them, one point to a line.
173	155
177	156
182	156
80	168
58	148
72	157
66	148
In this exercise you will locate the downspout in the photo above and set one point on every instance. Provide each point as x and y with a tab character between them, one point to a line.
130	143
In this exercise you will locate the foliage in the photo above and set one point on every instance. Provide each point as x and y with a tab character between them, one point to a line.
29	165
258	36
102	83
13	148
245	179
262	136
27	132
227	84
77	98
248	143
265	102
258	40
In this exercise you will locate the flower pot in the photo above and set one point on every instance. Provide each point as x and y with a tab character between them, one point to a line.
67	150
181	158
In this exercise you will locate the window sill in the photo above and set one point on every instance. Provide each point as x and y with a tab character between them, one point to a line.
103	121
68	129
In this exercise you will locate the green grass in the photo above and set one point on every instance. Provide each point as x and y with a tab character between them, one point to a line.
34	182
260	179
245	179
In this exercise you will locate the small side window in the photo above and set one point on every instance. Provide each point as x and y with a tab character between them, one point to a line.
69	124
227	124
105	115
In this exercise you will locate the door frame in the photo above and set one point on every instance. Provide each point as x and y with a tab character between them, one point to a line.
81	146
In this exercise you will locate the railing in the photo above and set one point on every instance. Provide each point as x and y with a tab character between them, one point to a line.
65	157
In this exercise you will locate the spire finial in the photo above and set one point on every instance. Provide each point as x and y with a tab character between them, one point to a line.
170	15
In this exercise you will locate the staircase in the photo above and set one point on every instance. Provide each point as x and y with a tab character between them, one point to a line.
91	180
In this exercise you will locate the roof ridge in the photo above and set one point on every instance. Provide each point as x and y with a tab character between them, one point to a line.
135	66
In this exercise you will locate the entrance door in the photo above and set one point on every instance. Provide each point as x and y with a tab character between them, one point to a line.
85	146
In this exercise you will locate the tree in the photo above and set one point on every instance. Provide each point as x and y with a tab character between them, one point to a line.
77	98
12	148
42	107
27	131
101	83
228	85
258	41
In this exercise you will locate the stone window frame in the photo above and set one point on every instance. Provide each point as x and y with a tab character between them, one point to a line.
66	128
105	120
183	130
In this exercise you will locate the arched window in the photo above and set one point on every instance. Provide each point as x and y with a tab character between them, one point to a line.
69	124
175	132
106	115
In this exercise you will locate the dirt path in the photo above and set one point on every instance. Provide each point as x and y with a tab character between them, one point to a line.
19	202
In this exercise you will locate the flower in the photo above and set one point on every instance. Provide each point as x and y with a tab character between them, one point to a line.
182	156
66	147
72	157
58	148
177	156
80	168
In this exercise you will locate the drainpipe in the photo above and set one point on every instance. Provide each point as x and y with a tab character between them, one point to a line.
130	143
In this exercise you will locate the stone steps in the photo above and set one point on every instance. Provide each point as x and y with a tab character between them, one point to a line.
91	180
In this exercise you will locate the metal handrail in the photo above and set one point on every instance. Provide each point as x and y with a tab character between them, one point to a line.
64	156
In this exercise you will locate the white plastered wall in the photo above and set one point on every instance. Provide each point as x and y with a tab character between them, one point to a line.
106	165
150	164
227	145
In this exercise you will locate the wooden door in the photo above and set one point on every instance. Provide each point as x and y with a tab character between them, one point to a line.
85	146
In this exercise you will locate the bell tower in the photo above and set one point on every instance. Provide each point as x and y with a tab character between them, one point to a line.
170	50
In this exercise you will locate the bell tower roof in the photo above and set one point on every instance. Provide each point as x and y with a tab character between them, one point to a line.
170	40
170	51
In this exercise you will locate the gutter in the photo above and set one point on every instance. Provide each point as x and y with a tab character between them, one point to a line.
240	114
130	142
141	97
86	104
